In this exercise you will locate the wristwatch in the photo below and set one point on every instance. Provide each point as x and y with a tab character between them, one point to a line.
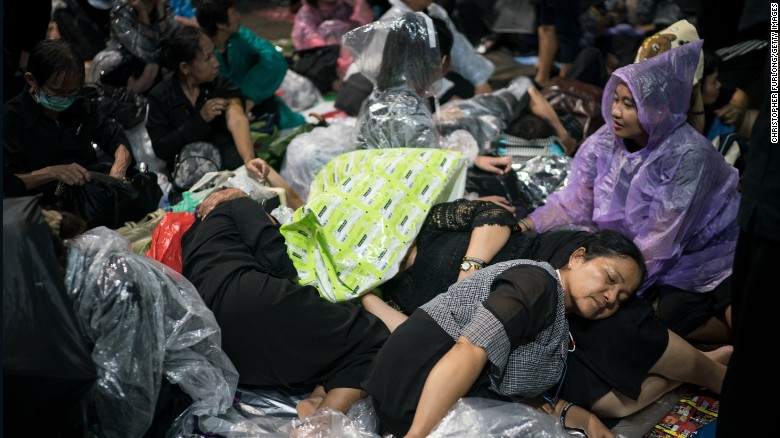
468	264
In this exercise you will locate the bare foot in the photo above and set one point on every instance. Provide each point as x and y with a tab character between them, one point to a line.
721	355
309	405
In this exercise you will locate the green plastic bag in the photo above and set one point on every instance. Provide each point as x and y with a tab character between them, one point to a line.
364	211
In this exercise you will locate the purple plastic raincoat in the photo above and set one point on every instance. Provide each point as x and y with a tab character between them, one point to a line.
318	26
676	198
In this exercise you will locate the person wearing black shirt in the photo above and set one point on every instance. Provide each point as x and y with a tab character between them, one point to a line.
50	130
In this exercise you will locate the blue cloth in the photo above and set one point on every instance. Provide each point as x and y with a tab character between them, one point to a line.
719	128
183	8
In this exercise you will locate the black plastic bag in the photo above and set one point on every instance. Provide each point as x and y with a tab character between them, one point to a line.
354	91
47	365
76	26
110	202
487	183
319	65
120	104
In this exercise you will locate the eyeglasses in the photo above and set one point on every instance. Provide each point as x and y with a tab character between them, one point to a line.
58	98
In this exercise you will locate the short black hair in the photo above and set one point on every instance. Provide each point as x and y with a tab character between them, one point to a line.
52	58
612	244
402	40
210	13
182	45
711	62
444	36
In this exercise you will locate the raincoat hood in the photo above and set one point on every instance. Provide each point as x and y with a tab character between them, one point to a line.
661	87
676	198
401	51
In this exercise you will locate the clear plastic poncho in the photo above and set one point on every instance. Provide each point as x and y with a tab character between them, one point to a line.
146	322
485	116
676	198
401	57
466	62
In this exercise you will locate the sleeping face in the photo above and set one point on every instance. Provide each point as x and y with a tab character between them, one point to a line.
595	288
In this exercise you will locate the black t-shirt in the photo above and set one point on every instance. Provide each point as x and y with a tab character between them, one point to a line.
32	141
174	122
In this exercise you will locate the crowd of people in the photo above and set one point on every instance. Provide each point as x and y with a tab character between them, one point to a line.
640	259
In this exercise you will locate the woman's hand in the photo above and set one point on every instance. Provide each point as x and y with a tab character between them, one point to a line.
217	198
730	113
257	166
500	200
499	165
213	108
596	429
71	174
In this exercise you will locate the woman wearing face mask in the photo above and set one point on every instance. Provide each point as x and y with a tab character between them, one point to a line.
50	131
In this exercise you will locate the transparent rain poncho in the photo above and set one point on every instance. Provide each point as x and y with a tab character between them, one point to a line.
465	60
146	322
401	57
131	39
676	198
485	116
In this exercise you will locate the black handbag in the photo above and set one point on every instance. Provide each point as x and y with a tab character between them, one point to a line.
319	65
110	202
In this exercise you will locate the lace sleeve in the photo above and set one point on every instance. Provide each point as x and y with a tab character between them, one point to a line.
462	215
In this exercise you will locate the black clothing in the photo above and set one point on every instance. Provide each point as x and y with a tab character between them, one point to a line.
396	387
25	23
754	298
32	141
515	318
684	311
613	353
174	122
275	331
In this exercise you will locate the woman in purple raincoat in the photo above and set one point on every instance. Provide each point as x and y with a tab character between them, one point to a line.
651	176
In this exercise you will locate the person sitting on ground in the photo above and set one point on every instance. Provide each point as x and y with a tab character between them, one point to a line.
198	105
459	238
626	23
274	330
403	61
49	130
138	27
324	22
649	174
466	62
248	61
722	101
501	333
